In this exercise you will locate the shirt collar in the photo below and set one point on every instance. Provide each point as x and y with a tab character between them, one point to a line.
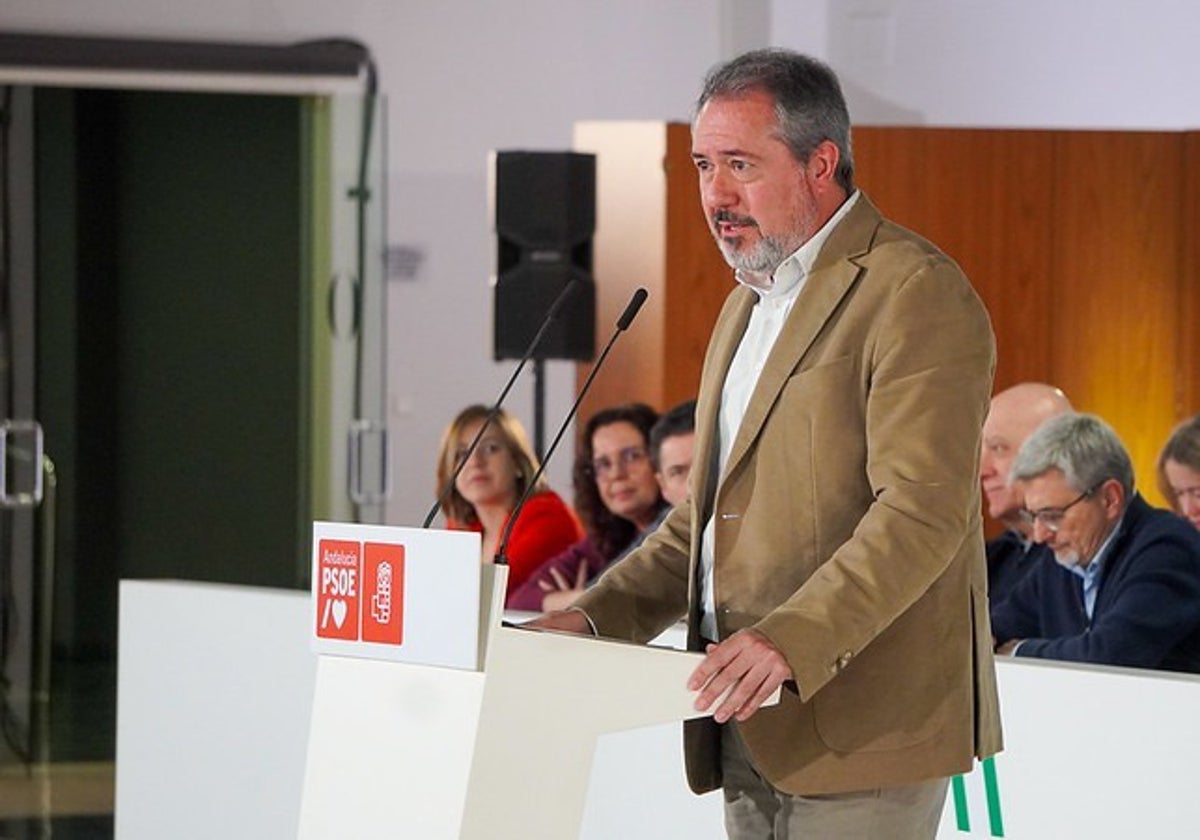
787	278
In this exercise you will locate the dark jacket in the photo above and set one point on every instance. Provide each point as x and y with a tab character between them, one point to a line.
1009	560
1147	611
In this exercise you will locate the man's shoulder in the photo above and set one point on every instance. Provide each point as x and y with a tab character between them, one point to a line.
897	245
1154	542
865	229
1147	526
889	251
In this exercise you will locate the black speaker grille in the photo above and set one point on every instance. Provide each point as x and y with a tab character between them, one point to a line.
545	214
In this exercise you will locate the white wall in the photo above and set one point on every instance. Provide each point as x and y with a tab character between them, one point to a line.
1008	63
467	76
462	77
464	80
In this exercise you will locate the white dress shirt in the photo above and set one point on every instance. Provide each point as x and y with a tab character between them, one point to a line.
775	301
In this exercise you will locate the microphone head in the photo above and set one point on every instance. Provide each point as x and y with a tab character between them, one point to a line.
631	310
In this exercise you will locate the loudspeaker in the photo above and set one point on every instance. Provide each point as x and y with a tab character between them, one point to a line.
544	214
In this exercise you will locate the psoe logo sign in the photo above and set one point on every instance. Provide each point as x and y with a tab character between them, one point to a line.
339	572
383	594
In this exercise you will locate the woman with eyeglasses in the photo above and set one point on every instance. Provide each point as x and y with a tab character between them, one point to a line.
489	486
618	499
1179	470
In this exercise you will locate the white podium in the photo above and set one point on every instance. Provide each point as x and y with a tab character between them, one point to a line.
410	750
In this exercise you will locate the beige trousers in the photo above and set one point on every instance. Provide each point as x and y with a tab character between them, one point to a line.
754	810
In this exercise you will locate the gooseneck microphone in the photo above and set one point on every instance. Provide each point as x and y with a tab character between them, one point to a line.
631	311
551	314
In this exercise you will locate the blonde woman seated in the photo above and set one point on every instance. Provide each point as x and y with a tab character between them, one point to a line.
1179	470
489	487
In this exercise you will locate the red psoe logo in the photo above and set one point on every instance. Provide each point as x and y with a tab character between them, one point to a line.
339	574
383	593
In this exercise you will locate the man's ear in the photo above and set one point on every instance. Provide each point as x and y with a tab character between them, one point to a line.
1113	495
823	162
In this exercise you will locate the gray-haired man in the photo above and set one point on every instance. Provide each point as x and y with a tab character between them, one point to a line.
1123	587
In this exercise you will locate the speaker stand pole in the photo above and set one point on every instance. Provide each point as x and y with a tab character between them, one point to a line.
539	408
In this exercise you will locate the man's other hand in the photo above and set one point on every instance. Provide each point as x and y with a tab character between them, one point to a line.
749	665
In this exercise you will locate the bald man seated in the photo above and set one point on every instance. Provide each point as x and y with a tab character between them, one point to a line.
1014	415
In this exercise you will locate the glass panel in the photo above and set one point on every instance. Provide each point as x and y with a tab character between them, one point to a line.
20	462
209	332
174	239
349	442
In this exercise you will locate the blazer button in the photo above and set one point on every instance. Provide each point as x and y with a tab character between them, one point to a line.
844	660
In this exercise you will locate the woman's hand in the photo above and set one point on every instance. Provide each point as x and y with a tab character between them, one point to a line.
561	593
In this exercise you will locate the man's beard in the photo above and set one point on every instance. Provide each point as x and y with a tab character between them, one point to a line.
769	252
763	257
1067	559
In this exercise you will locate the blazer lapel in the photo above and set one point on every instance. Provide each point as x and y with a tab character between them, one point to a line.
832	276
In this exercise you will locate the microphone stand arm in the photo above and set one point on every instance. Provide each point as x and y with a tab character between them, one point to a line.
501	557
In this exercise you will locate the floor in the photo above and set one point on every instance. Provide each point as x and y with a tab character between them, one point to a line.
69	794
57	800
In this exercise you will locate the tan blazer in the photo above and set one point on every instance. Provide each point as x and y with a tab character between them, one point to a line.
847	523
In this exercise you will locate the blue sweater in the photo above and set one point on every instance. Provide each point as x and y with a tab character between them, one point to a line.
1147	611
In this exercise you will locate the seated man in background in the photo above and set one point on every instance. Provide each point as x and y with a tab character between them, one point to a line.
1012	417
671	442
1123	585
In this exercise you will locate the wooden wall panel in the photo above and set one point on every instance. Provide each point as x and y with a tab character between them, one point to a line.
650	232
629	251
1113	297
1082	245
983	197
697	277
1074	241
1187	379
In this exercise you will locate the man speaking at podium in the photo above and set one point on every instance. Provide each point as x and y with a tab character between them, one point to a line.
832	541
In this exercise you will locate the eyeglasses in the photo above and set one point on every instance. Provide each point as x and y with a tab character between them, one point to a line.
488	448
1051	518
626	458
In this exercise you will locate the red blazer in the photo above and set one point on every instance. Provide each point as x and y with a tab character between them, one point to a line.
546	527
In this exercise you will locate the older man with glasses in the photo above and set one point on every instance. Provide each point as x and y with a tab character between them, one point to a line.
1123	584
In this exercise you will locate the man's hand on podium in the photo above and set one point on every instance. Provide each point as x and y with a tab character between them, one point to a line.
748	666
564	621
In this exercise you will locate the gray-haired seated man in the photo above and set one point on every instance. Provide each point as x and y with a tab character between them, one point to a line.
1122	586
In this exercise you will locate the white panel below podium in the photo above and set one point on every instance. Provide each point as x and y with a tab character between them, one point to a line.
419	758
639	790
214	697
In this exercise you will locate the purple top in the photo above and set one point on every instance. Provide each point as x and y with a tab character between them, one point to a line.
528	596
